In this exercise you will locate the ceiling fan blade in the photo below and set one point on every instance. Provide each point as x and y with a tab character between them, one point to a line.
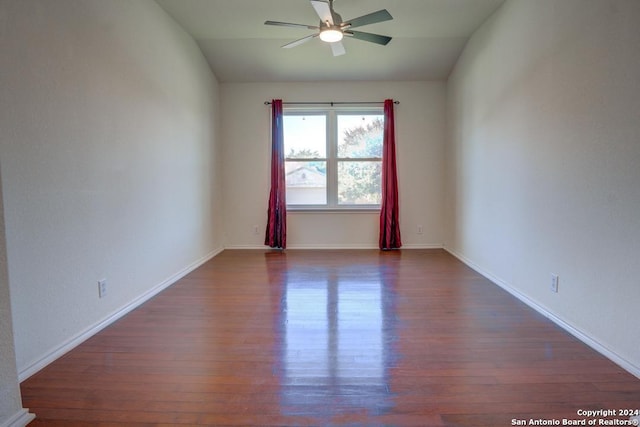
373	38
289	24
299	41
337	48
371	18
323	10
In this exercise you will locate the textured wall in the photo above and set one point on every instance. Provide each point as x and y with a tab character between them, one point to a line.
10	403
110	161
420	139
543	161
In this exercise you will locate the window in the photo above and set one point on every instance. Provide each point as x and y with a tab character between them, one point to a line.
333	158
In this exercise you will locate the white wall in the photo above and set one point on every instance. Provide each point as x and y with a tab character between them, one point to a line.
11	411
543	162
420	139
110	162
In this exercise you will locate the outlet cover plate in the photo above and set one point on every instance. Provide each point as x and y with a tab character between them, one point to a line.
102	288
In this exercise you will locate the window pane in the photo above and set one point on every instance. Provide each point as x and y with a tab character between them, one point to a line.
306	182
360	136
305	136
359	183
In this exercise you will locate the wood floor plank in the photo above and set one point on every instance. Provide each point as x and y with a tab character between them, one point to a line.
410	337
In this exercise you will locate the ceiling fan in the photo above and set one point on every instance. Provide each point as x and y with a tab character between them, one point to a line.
332	28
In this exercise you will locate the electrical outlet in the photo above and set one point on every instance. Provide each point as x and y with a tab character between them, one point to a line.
256	231
102	288
554	283
420	229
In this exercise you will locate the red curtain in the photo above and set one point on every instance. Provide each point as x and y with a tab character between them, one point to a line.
389	213
276	233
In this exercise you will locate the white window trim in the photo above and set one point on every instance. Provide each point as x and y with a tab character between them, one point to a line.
332	160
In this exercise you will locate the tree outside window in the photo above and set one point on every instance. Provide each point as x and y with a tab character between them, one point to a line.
333	158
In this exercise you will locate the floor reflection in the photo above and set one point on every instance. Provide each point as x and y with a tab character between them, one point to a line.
336	347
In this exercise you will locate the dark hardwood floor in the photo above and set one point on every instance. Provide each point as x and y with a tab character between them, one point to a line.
254	338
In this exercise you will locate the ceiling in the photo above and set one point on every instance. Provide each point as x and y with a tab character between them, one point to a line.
428	36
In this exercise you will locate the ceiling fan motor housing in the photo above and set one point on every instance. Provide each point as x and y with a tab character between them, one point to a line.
337	19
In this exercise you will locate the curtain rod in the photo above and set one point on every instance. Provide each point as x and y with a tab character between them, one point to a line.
332	103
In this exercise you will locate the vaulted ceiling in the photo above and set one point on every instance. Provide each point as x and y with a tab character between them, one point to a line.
428	36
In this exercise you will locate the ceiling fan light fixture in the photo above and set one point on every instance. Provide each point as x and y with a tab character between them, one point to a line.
331	35
332	29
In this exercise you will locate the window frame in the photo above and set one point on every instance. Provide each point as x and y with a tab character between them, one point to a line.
332	160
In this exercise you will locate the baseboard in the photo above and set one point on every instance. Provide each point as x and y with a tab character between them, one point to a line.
374	246
422	246
313	246
332	246
246	247
19	419
586	339
302	246
97	327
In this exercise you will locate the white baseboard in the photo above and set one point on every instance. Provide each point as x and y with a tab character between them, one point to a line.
606	352
374	246
422	246
246	247
302	246
330	246
313	246
94	329
19	419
